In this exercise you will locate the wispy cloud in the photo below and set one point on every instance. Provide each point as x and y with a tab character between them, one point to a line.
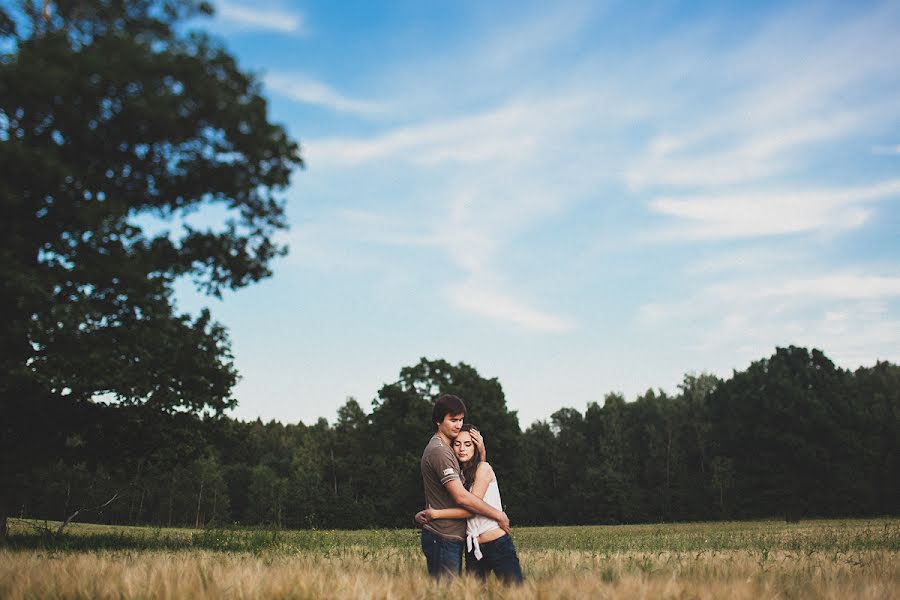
498	134
757	115
769	297
457	234
729	216
892	150
847	313
849	286
480	299
743	157
303	89
256	17
792	89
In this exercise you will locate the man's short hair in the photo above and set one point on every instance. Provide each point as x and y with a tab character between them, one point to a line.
447	404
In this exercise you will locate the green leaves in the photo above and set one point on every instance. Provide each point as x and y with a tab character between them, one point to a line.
109	113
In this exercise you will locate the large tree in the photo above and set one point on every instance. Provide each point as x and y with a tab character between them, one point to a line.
113	114
401	425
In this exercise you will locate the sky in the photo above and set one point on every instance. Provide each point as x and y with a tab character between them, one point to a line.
574	198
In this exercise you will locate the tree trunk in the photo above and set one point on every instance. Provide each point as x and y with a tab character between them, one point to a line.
334	473
4	509
171	499
130	519
66	503
199	499
668	474
140	511
68	520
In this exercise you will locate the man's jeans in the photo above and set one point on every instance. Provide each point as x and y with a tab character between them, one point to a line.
498	557
444	557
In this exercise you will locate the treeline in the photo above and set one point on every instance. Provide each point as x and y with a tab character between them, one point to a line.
791	436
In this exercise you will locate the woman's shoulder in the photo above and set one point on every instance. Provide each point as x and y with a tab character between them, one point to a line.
484	469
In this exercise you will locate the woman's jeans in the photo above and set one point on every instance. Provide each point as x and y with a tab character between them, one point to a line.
444	557
498	557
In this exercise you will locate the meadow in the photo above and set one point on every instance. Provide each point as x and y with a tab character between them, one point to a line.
760	559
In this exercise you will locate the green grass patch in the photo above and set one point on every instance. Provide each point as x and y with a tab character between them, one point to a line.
758	537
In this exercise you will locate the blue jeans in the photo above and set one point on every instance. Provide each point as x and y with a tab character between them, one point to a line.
498	557
444	557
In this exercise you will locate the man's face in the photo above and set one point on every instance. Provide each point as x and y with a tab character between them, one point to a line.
451	425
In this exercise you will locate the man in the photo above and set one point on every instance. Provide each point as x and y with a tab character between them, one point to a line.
443	539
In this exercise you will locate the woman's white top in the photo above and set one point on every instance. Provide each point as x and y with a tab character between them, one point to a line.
478	524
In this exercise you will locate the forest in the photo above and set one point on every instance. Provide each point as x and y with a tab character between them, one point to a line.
792	436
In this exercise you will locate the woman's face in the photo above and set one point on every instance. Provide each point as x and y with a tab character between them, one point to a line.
464	447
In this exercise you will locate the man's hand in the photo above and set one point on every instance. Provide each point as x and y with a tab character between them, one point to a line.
504	522
479	443
424	516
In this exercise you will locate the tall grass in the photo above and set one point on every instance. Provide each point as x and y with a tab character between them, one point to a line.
822	559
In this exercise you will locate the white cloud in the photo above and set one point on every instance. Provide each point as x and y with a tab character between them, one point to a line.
302	89
480	299
747	157
890	150
550	128
499	134
490	175
847	314
849	286
793	87
724	216
253	17
759	258
772	295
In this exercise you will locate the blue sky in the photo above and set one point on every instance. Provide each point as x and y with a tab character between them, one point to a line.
580	199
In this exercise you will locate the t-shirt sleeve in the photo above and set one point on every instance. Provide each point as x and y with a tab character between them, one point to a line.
444	465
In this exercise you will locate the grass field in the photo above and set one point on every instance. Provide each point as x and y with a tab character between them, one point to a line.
763	559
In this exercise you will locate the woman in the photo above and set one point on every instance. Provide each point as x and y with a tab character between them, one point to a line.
490	549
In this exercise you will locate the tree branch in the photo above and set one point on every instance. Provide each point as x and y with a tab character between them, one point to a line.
71	517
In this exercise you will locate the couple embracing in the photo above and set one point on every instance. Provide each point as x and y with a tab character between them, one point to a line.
463	502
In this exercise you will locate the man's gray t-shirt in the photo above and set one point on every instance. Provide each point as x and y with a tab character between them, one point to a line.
439	465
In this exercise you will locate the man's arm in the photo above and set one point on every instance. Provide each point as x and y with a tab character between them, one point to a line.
483	477
473	503
431	514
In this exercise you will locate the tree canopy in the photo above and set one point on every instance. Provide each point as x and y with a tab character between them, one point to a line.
112	116
790	436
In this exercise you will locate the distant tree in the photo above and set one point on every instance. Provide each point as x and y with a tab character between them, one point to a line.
618	467
484	399
401	426
572	459
870	465
778	425
534	490
694	432
695	391
110	113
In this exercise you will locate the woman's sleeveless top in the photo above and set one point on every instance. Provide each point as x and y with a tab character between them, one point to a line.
478	524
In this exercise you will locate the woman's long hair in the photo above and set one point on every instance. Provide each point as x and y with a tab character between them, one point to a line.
468	469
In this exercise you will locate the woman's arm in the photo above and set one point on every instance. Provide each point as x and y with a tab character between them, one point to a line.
468	500
484	475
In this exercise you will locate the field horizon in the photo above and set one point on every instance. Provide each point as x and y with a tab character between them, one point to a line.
858	558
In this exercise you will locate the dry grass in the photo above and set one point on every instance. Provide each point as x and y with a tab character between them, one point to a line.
838	559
